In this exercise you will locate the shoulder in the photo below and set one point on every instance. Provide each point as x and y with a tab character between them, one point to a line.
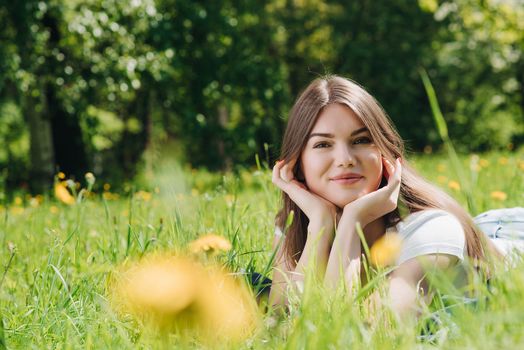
431	231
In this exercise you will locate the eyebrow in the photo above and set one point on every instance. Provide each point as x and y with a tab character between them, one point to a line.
356	132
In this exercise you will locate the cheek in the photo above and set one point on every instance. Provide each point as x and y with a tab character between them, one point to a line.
313	166
375	168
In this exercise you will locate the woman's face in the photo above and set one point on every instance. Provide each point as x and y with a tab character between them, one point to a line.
341	162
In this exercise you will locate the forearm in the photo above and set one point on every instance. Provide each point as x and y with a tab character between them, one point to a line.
344	258
318	243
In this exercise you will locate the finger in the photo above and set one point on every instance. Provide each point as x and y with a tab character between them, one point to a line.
276	177
284	173
397	174
389	168
287	172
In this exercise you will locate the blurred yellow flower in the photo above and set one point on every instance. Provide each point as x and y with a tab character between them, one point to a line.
385	250
441	167
61	175
210	244
33	202
143	195
483	162
229	199
53	209
442	179
499	195
194	192
17	210
63	194
107	187
503	161
180	295
110	196
521	165
163	286
18	200
454	185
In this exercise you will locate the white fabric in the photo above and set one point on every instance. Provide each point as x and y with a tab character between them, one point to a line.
505	228
435	231
431	231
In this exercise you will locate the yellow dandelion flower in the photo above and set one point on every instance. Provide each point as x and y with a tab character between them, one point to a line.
454	185
385	250
442	179
17	210
107	187
180	295
499	195
63	194
161	286
483	163
441	168
33	202
110	196
143	195
18	200
229	308
229	199
521	165
210	244
61	175
53	209
503	161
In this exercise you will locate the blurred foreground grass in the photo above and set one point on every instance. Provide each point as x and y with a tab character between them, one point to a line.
60	258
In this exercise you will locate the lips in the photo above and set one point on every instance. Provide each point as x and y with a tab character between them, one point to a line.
347	179
347	176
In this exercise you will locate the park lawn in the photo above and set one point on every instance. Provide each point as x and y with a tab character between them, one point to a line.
54	294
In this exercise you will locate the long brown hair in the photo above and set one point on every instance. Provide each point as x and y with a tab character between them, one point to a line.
415	193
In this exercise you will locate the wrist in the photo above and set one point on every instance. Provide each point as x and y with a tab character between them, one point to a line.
323	225
352	213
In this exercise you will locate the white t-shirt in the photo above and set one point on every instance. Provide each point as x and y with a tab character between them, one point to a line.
436	231
431	231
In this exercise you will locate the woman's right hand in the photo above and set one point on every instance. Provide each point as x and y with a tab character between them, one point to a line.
316	208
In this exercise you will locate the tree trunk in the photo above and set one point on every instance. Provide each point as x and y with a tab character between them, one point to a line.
41	148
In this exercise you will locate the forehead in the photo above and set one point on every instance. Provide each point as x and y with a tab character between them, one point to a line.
337	118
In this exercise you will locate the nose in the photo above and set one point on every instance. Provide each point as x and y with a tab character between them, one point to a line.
345	157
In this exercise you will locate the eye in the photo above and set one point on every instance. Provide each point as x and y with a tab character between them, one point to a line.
362	140
322	144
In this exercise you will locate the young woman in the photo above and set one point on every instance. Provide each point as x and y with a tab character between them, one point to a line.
342	163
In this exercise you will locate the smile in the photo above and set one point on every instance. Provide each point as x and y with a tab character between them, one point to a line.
347	181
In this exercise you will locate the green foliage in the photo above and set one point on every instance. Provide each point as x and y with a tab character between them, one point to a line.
115	80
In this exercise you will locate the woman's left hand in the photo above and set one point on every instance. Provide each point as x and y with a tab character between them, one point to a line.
371	206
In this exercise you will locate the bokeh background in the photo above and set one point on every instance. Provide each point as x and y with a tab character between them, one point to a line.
114	86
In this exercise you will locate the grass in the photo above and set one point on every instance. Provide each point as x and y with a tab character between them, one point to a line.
58	260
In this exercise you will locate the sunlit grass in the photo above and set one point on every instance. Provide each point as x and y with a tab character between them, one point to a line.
60	259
